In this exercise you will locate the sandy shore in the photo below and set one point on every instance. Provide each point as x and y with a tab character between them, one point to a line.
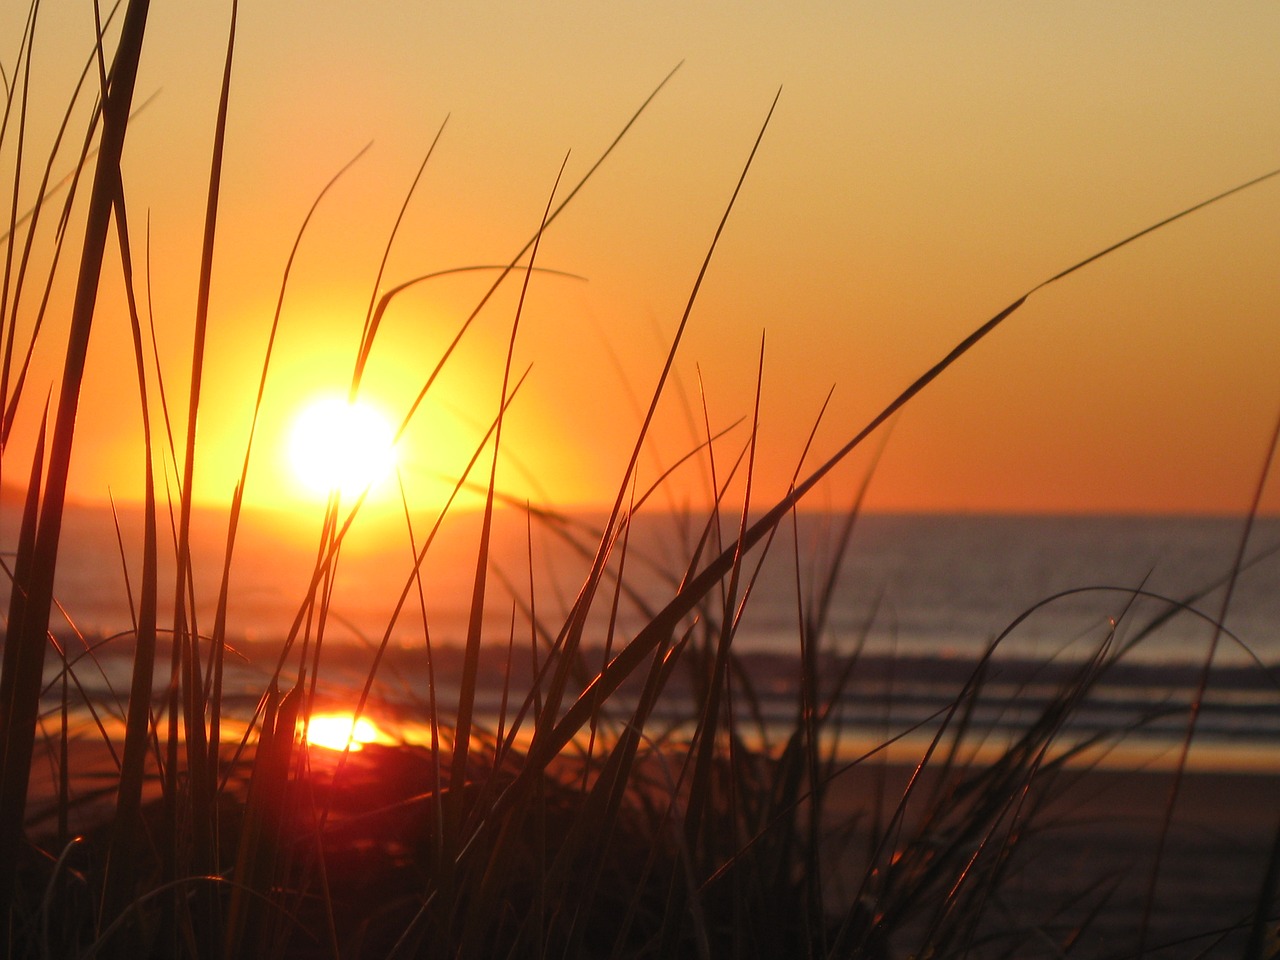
1088	854
1107	828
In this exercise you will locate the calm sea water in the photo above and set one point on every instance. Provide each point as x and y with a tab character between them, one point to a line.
927	593
937	585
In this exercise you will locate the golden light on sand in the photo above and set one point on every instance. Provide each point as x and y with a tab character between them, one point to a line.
339	446
332	731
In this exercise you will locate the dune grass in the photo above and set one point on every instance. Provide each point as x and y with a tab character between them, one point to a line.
572	823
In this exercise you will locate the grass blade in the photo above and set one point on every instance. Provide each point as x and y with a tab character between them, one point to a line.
19	729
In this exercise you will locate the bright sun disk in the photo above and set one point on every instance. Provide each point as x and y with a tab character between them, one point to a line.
342	447
333	730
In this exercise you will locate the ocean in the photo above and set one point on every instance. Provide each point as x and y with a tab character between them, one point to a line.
919	598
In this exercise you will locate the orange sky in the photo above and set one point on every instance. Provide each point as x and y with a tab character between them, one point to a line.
925	166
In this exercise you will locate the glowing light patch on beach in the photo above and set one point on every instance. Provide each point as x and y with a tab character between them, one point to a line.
332	731
340	446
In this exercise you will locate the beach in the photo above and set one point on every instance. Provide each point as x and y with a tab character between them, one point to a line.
1089	855
1080	872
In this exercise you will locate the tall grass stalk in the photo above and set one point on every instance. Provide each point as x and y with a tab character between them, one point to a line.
36	590
118	882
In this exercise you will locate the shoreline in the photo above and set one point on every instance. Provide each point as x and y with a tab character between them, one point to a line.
1139	712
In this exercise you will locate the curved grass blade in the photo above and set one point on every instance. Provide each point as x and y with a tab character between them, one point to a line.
690	595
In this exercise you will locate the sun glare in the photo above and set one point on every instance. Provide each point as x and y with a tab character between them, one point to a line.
342	447
332	731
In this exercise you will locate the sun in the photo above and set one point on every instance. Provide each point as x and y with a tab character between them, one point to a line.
336	446
332	731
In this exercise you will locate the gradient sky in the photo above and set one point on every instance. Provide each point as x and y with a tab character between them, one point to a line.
926	165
